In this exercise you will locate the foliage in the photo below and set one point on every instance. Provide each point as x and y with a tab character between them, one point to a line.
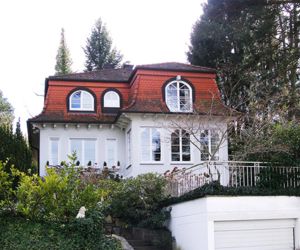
58	196
7	195
6	111
255	48
63	59
19	233
14	149
136	201
216	189
277	144
99	51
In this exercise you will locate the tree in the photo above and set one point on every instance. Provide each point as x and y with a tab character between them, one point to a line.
99	51
63	59
14	148
255	47
6	111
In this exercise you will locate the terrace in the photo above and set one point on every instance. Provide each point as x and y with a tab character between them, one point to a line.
231	174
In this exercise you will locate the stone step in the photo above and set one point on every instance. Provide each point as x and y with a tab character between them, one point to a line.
138	243
146	248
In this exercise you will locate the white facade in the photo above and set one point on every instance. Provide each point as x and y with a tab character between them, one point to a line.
127	140
252	222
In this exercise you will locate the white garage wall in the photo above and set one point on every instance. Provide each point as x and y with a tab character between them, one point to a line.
192	223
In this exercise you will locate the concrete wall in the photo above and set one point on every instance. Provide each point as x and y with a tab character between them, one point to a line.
192	222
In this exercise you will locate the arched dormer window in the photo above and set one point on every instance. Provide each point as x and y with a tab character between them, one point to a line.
178	96
111	99
81	100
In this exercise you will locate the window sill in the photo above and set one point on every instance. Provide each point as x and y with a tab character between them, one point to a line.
152	163
182	163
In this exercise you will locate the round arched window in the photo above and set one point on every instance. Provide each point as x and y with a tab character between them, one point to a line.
111	99
81	100
179	96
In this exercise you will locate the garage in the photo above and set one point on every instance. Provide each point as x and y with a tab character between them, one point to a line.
255	234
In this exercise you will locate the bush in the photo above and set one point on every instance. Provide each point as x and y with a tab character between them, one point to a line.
57	196
7	195
136	201
281	146
19	233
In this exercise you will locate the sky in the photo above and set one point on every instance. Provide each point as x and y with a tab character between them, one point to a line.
144	31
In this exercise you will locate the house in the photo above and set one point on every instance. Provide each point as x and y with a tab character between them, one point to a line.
152	118
126	118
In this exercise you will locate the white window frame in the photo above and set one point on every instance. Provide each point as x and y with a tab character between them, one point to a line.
51	139
217	153
150	144
180	148
167	98
92	108
115	151
109	103
82	162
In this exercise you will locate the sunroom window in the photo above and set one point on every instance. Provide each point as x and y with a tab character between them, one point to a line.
209	145
85	150
82	101
180	146
150	145
111	99
179	96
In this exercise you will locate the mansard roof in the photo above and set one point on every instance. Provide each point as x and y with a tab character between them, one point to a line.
140	88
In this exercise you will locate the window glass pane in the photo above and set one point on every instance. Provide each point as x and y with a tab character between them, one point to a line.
87	101
215	140
75	100
111	152
89	151
186	149
53	152
112	99
156	147
145	144
204	145
175	146
76	146
171	97
175	157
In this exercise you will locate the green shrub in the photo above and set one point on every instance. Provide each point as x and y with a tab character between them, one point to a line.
57	196
19	233
6	188
279	146
136	201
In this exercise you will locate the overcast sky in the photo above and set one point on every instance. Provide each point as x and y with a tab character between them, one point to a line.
144	31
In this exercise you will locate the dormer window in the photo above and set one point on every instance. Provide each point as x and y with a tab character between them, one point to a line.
111	99
81	100
178	95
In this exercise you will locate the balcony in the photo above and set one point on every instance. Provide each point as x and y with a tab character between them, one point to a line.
231	174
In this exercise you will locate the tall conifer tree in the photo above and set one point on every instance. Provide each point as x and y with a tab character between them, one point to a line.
99	51
63	58
255	47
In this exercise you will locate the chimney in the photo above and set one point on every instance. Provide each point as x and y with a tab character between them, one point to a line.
108	66
127	66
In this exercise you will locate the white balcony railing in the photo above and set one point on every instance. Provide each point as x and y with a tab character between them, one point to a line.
231	174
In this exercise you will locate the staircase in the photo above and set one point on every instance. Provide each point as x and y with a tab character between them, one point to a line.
145	239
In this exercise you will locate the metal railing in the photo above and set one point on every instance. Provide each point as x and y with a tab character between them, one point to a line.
231	174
